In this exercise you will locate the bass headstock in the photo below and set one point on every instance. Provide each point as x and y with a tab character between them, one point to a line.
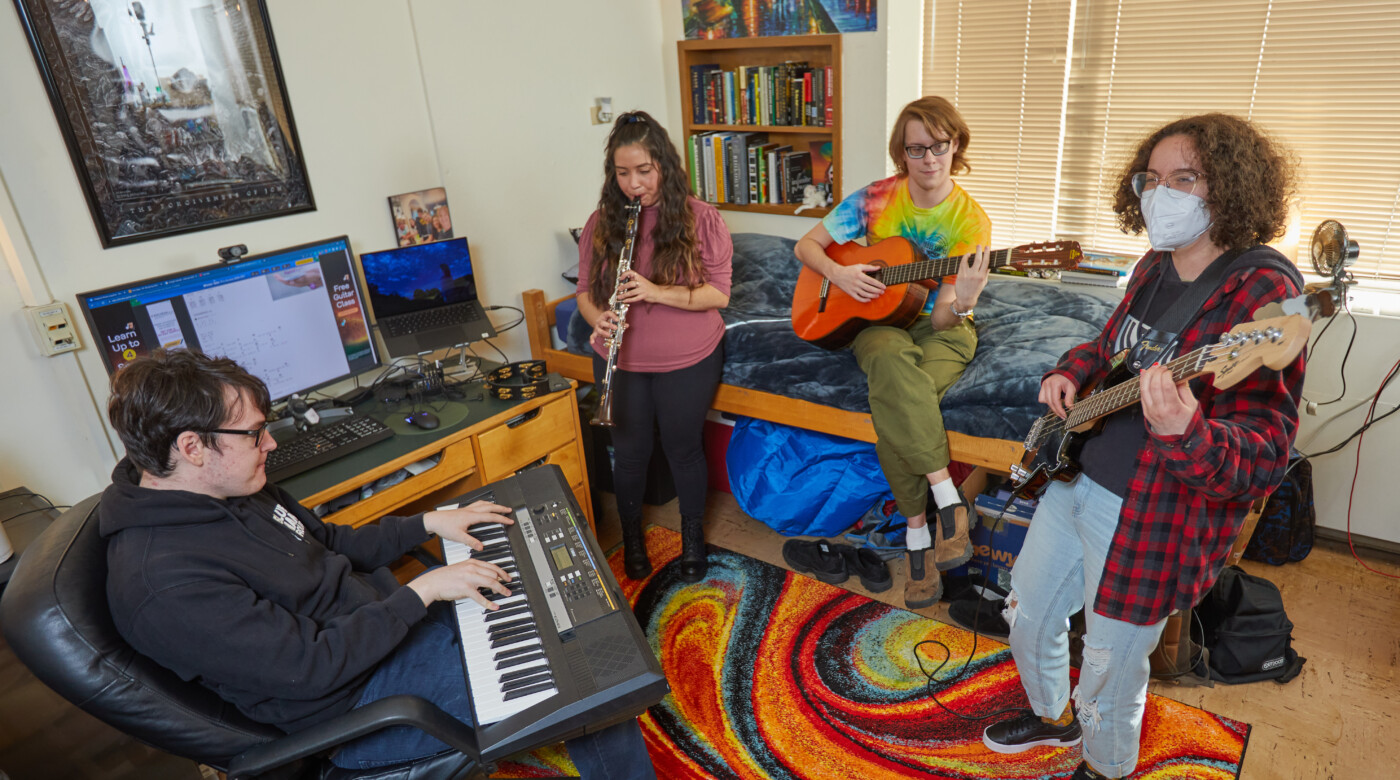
1272	342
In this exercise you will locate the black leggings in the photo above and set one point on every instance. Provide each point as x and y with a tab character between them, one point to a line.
676	402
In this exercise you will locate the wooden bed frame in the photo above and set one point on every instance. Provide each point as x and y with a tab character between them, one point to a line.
993	455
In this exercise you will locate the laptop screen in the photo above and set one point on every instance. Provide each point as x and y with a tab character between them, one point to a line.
416	278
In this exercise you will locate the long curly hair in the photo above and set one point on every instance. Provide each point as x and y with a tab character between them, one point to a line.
676	260
1251	179
938	117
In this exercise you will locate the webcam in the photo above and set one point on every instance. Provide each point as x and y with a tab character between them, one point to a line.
232	254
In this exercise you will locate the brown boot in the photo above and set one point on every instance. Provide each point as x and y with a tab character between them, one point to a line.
924	587
952	547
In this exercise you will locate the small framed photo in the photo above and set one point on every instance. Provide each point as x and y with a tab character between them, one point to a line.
420	217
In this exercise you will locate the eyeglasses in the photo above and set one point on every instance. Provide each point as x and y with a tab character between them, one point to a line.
1184	180
256	433
917	151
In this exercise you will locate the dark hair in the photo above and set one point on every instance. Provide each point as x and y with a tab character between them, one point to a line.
1251	179
676	259
938	117
158	396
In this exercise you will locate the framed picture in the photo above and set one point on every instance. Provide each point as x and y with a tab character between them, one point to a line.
420	217
175	112
709	19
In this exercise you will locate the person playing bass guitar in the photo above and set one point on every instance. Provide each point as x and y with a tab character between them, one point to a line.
1146	527
909	370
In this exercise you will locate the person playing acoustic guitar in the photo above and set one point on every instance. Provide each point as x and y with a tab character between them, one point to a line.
1147	525
909	370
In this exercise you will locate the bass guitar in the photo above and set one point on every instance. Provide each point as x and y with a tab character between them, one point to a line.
1053	444
825	315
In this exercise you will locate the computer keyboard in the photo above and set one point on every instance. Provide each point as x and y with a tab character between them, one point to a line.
418	322
323	443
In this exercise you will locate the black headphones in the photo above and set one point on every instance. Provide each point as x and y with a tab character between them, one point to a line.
520	380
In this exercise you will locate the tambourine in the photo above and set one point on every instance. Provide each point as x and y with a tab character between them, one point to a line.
520	380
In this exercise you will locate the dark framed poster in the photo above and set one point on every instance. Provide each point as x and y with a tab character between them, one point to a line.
174	111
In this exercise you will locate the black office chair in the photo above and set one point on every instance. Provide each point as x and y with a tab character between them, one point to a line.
55	616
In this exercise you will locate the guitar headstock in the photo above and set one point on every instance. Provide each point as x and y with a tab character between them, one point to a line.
1272	342
1046	255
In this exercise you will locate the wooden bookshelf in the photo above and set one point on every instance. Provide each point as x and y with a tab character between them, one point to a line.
817	51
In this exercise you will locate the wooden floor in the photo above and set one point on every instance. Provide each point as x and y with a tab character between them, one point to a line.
1339	719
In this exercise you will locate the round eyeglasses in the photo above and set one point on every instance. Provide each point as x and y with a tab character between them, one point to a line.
1184	180
917	151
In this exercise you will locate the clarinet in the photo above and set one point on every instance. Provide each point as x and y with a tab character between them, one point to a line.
603	416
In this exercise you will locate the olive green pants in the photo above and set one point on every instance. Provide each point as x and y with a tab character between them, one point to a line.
908	372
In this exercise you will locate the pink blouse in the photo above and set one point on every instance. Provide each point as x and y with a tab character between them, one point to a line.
660	337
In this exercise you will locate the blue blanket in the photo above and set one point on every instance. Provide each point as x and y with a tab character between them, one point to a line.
1023	327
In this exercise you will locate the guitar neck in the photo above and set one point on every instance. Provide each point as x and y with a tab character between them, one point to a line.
1125	394
936	268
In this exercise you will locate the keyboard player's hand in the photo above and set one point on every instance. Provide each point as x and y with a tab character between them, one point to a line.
454	523
462	581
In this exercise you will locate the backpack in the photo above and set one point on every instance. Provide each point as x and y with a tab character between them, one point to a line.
1285	529
1247	635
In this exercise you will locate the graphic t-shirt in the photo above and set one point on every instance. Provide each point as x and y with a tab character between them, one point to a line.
883	209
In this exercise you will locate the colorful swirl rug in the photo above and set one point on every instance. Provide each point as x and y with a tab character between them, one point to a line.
776	675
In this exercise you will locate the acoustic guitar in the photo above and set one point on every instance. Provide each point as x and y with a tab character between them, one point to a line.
1053	445
825	315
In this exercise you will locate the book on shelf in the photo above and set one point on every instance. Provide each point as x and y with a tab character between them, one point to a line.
797	170
775	172
1098	279
1108	262
791	93
698	83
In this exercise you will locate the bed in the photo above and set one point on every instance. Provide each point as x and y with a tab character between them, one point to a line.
769	373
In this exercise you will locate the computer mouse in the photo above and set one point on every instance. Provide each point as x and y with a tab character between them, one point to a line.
425	420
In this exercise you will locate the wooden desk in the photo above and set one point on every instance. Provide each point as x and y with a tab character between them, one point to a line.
480	440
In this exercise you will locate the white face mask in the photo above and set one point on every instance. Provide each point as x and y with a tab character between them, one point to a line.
1174	219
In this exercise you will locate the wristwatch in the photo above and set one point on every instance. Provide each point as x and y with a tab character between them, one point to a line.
953	307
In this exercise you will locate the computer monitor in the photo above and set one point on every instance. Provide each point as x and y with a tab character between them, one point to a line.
295	318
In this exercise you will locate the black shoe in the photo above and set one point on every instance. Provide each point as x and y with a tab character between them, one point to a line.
871	568
982	614
1028	731
1086	772
634	550
694	564
821	559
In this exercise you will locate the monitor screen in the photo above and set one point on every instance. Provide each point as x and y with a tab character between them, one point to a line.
414	278
294	318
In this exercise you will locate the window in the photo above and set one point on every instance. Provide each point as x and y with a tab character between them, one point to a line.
1053	122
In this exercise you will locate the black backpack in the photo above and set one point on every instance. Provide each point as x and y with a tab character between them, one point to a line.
1247	634
1285	529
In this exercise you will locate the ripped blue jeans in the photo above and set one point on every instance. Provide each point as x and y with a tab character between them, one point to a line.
1057	574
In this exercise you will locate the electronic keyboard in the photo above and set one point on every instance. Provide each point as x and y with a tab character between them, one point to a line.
563	656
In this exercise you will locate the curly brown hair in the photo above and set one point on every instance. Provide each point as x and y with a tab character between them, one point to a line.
939	118
676	259
1251	178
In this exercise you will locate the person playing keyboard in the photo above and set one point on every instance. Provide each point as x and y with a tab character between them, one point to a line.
224	578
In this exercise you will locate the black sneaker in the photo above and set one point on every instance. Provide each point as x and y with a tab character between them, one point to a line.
871	568
1086	772
1028	731
983	614
820	559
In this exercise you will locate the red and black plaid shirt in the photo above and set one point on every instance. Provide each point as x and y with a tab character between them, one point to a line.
1189	494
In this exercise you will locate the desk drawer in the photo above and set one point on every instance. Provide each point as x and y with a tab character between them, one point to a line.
505	449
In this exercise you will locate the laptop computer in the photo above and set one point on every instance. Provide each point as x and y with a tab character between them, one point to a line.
423	297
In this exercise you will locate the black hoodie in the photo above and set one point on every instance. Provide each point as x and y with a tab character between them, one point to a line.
282	615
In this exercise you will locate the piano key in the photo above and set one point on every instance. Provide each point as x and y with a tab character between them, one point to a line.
522	673
514	638
527	682
547	686
512	652
512	627
505	612
524	659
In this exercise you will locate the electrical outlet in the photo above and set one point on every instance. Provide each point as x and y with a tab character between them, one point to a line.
53	328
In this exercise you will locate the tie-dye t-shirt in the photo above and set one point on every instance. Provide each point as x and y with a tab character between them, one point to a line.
883	209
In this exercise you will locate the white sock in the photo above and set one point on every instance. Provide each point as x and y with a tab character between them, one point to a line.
917	538
945	493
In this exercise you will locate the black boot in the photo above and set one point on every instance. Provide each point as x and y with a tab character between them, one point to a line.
693	562
634	549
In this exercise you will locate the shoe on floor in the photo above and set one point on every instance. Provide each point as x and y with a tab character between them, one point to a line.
1086	772
871	568
924	585
1027	731
983	614
820	558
